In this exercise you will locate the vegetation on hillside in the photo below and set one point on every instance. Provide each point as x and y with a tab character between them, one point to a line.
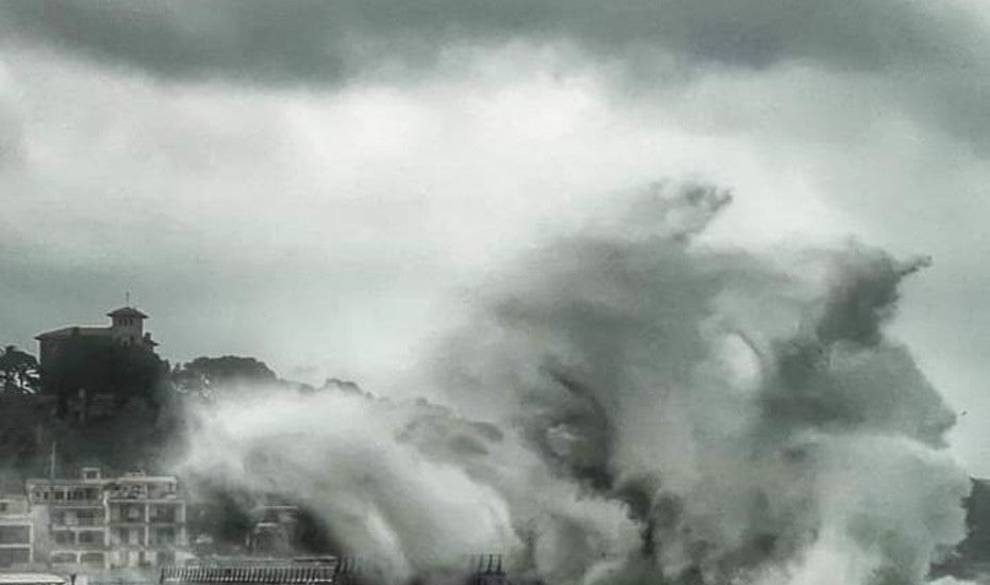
124	408
18	371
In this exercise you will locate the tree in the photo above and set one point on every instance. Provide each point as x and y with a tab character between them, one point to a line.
18	371
206	375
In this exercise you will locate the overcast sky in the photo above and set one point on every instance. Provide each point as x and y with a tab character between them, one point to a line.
322	184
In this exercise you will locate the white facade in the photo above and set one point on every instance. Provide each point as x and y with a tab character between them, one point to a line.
146	520
134	521
16	531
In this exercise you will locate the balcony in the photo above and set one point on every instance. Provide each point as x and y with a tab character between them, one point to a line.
142	492
86	540
127	514
70	504
76	521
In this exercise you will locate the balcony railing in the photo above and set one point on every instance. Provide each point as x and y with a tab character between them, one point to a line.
97	503
76	521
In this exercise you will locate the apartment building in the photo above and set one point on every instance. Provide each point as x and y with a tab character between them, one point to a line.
93	522
16	531
72	518
146	520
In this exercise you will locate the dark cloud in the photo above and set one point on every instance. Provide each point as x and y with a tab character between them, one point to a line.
318	41
930	54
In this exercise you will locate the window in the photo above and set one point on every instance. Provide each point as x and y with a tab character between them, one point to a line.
127	513
133	513
93	559
126	536
3	507
63	557
90	537
12	556
64	537
162	514
161	490
90	517
15	534
164	536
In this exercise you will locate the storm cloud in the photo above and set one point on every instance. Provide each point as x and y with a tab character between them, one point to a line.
929	55
318	183
319	41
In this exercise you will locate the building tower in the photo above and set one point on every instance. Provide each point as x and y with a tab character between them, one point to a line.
127	325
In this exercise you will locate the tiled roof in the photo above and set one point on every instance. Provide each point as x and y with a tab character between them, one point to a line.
70	331
127	312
